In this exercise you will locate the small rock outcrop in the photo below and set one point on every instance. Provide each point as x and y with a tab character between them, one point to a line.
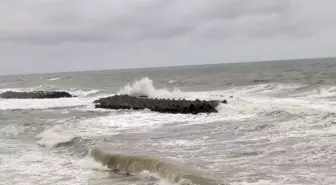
35	95
157	105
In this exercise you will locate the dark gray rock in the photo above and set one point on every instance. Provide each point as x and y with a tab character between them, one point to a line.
158	105
35	95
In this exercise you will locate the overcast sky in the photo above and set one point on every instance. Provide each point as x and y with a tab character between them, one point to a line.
67	35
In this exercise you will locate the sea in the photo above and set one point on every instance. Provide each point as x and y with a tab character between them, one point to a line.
278	127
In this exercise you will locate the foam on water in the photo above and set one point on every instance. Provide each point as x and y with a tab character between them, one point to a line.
83	93
172	81
145	87
35	88
53	136
319	92
281	120
54	79
20	104
238	109
29	165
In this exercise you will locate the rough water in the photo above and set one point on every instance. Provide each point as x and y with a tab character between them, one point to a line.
279	127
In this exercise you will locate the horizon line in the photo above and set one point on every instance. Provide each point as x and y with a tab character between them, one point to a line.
155	67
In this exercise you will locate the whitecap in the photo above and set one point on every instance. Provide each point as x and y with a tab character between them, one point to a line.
53	136
145	87
54	79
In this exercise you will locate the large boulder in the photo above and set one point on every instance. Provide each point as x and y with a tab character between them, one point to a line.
35	95
158	105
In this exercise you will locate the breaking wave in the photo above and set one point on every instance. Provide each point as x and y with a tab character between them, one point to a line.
319	92
83	93
174	173
145	87
54	137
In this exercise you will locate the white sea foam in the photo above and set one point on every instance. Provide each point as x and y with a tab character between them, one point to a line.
146	87
18	104
54	79
172	81
180	143
35	88
12	130
262	89
53	136
28	165
82	93
246	104
319	92
313	118
134	121
90	163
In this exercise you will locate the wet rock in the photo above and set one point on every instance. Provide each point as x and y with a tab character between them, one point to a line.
158	105
35	95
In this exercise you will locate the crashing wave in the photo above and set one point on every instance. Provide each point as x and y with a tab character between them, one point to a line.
145	87
136	164
53	137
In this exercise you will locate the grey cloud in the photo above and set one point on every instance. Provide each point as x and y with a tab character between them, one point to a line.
85	21
62	35
53	37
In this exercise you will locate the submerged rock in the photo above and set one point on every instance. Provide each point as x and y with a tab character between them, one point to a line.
158	105
35	95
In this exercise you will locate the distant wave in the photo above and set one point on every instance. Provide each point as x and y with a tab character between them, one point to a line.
175	82
54	79
270	88
83	93
172	81
34	88
136	164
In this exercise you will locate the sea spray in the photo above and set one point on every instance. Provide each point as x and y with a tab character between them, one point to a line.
145	87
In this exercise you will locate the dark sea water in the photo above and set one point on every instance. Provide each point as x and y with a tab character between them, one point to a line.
278	128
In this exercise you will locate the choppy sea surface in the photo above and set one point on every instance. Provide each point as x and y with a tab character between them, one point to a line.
279	126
